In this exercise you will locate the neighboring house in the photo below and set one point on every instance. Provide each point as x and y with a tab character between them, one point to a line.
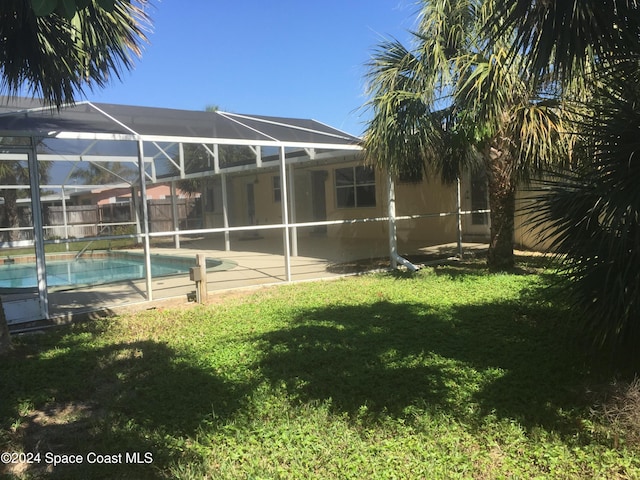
115	206
104	196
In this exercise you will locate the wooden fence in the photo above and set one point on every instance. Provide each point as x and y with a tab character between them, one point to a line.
118	218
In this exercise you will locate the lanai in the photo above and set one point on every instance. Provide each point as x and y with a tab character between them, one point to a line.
157	142
122	145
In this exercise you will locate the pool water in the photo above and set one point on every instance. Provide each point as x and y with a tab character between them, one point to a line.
91	271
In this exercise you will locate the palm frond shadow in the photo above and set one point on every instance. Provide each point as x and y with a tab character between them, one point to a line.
110	396
390	358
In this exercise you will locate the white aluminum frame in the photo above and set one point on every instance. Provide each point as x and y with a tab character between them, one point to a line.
289	226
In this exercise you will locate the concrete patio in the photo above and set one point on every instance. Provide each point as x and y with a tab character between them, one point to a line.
251	264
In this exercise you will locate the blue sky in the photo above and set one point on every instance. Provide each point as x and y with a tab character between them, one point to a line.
290	58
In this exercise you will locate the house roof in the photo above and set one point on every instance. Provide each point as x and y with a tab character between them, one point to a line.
87	120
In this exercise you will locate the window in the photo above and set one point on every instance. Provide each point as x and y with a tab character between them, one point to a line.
355	187
277	191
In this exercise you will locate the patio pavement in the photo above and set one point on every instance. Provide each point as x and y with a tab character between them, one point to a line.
249	265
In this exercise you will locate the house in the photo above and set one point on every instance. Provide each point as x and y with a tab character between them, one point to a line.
344	190
296	183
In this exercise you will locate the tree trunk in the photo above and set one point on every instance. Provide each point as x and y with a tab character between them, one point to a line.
502	201
5	339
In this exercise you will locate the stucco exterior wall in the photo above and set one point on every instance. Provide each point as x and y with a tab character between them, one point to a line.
429	197
316	199
526	236
314	184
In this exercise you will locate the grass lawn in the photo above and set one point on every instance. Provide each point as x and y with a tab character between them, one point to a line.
449	373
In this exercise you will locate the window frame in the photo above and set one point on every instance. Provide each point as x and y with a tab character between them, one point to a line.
357	182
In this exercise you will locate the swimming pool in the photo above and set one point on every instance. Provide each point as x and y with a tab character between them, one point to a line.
92	269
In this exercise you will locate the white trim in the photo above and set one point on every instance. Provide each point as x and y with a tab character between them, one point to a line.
113	119
145	220
225	115
161	151
212	140
285	214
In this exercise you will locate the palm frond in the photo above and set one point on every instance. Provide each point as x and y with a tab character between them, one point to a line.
489	87
395	68
543	139
449	24
592	214
402	134
57	58
566	37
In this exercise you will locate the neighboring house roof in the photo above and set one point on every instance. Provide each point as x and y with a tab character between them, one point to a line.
154	192
20	116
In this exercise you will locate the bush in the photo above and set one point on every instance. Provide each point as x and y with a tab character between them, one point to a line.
591	215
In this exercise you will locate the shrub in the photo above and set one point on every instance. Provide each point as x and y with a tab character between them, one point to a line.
592	214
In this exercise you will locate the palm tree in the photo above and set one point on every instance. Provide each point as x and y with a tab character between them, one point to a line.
56	56
456	101
105	173
568	38
592	213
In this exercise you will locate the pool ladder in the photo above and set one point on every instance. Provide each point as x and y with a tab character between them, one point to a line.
84	249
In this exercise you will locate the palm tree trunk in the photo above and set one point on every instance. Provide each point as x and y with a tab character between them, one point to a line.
502	201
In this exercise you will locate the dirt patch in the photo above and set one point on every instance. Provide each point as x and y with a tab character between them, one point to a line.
49	430
358	266
383	263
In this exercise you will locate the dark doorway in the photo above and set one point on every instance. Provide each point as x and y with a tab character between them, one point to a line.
319	200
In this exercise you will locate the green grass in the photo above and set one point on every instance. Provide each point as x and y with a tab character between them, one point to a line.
450	373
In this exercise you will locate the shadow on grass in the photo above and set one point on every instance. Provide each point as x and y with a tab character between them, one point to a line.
525	265
510	360
114	399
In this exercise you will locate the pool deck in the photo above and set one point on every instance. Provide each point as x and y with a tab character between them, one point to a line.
258	264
